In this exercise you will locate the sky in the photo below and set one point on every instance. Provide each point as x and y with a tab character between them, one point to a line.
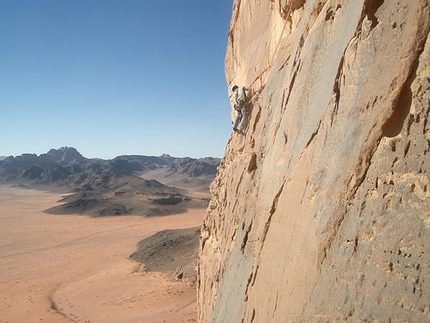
114	77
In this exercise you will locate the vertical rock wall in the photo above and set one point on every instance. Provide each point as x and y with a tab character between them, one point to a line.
321	211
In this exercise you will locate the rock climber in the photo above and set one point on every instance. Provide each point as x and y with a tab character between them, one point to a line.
240	103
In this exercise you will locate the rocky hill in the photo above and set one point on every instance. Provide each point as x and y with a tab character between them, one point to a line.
62	163
136	185
62	156
320	211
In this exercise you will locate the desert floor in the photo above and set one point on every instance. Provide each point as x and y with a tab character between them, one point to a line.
71	268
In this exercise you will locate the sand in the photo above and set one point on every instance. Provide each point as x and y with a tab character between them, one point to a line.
71	268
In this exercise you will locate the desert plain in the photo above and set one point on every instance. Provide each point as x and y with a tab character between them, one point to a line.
72	268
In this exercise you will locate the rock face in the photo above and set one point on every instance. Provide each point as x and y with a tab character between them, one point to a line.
321	211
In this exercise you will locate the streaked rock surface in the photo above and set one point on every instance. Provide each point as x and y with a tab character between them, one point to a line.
321	211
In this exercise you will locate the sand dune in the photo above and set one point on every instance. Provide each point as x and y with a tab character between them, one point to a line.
72	268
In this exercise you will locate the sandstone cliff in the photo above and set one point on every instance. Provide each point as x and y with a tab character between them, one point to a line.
321	211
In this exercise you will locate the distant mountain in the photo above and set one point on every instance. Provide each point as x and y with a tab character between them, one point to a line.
142	185
66	167
194	168
62	156
66	155
184	166
2	157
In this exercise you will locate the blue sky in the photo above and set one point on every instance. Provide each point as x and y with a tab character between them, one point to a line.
114	77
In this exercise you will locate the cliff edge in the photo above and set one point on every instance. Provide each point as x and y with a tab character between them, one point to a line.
320	212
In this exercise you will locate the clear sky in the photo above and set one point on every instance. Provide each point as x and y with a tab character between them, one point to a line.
114	77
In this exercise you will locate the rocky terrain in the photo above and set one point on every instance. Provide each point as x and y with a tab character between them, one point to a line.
171	251
320	211
114	187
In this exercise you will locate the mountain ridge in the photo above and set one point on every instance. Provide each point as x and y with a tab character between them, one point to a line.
117	186
125	164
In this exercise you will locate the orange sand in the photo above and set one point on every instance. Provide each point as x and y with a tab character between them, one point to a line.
70	268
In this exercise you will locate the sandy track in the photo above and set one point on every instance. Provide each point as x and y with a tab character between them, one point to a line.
72	268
